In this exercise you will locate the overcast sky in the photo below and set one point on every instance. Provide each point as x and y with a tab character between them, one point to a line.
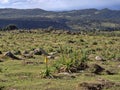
60	4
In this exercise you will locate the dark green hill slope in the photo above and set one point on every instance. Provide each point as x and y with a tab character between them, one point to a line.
87	19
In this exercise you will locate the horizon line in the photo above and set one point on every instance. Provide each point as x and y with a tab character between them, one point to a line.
60	10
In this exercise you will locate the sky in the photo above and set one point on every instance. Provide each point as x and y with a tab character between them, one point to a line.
60	5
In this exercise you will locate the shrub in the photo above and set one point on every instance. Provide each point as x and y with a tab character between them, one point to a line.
10	27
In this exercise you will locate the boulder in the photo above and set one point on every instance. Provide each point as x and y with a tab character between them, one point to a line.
11	55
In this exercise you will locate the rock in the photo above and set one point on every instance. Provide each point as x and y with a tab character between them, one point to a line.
73	69
64	73
82	66
62	69
17	52
40	52
56	58
118	66
99	58
50	57
25	52
110	72
53	53
118	59
0	52
90	86
11	55
1	60
98	85
70	41
44	52
37	52
96	69
29	55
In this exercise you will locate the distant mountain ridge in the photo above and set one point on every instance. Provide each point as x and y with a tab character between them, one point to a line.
91	19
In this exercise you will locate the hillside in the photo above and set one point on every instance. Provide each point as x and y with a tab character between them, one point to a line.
91	19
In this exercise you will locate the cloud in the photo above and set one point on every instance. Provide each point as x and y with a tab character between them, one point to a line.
76	4
4	1
61	4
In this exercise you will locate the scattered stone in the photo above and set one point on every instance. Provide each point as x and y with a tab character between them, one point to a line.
82	66
37	52
96	69
50	57
17	52
53	53
91	57
25	52
118	59
44	52
56	58
1	60
40	52
0	52
101	85
73	69
29	55
2	87
118	66
62	69
110	72
90	86
11	55
99	58
64	73
70	41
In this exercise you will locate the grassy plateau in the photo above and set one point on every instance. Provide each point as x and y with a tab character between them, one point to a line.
72	61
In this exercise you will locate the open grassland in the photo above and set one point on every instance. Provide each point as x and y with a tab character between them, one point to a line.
28	73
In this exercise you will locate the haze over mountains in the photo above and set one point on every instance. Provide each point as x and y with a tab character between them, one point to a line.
87	19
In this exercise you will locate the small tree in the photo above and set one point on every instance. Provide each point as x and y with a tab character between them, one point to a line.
10	27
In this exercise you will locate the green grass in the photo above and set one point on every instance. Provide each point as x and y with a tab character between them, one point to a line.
17	75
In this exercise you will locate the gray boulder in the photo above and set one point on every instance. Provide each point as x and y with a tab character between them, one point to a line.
11	55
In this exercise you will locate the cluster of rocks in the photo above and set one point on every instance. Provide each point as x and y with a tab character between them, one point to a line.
28	54
39	51
95	69
98	85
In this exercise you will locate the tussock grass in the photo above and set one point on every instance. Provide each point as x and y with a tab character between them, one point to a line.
71	50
